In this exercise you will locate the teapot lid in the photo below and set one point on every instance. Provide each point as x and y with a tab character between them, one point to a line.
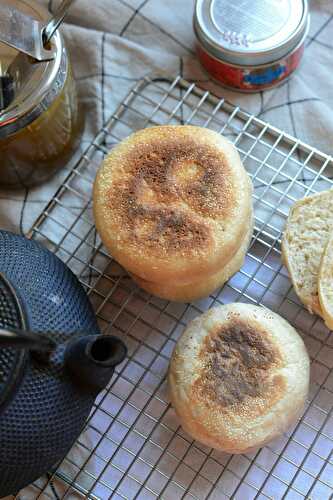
12	361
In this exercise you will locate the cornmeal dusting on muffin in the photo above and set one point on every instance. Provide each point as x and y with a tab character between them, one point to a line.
237	363
169	192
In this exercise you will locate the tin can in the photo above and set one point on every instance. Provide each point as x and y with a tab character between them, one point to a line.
250	45
40	129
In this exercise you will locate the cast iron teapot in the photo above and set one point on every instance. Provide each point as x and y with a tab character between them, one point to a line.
53	361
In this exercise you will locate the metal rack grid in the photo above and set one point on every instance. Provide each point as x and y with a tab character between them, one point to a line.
133	446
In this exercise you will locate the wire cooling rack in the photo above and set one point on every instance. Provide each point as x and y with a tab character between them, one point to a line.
133	446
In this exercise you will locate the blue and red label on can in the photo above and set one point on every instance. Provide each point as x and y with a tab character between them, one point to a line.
250	78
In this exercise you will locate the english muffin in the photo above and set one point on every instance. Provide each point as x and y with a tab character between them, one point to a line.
325	283
309	225
205	286
238	377
172	203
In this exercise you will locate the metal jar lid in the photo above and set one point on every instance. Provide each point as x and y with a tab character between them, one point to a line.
251	32
46	82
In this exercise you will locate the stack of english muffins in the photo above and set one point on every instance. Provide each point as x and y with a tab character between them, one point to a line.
173	206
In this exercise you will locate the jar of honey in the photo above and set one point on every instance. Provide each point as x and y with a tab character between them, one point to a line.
40	128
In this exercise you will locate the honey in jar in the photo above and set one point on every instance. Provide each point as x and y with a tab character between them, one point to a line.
40	128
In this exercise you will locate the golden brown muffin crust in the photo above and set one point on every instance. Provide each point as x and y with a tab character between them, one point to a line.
162	179
237	360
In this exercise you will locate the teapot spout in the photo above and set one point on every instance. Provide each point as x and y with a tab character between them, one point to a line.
91	360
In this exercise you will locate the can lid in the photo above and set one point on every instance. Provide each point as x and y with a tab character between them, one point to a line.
250	32
45	84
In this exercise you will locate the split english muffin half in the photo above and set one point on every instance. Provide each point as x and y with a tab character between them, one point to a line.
307	252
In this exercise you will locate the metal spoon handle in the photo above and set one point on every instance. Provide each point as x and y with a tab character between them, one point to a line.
56	20
21	339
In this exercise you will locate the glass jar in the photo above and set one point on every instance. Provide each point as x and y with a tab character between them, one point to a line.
39	130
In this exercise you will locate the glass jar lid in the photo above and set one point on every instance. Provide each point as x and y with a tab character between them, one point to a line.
251	32
46	80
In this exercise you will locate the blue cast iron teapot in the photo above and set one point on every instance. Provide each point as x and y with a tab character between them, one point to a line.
53	361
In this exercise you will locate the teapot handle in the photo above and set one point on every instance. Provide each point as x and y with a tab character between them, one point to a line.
22	339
